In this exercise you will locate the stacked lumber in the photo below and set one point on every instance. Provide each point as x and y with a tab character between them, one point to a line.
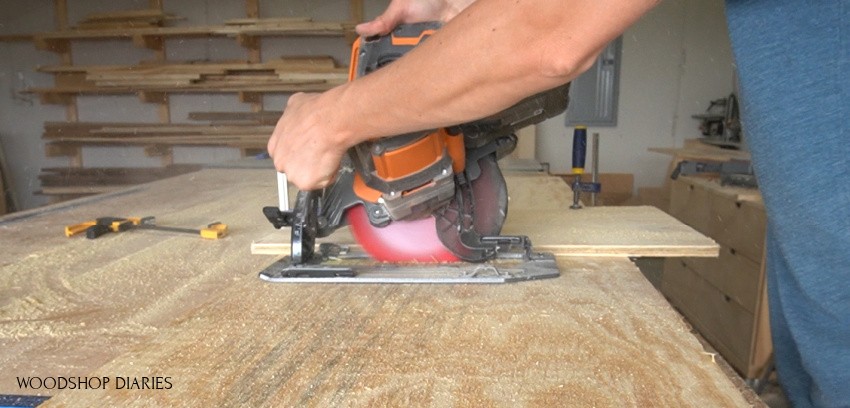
75	180
283	26
157	134
287	27
290	74
16	37
153	82
146	18
266	22
237	118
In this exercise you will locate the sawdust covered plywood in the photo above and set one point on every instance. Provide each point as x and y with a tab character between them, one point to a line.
598	336
68	305
140	304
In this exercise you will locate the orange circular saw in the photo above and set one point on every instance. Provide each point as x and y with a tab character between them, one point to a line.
436	195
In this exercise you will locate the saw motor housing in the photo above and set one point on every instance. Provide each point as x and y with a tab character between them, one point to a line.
409	175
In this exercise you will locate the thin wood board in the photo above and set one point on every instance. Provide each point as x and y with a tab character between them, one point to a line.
539	208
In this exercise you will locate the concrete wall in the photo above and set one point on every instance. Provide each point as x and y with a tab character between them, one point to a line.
674	61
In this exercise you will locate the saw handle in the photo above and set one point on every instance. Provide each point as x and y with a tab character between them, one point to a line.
579	149
282	191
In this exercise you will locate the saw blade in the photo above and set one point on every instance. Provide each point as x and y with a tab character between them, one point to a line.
440	238
400	241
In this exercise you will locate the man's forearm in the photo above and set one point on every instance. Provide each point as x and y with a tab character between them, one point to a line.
489	57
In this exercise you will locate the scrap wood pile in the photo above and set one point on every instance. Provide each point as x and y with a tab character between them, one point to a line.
290	74
246	136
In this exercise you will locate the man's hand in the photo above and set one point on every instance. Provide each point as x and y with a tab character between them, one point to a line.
412	11
305	143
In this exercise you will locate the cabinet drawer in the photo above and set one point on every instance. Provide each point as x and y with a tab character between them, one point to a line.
739	225
733	274
691	205
718	318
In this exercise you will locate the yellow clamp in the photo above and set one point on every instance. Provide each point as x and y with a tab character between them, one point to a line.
215	230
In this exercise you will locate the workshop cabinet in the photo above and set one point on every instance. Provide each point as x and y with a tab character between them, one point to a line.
724	298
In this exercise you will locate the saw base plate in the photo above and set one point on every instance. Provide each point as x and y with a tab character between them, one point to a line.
341	264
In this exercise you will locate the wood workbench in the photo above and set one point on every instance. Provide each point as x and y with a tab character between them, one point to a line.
141	304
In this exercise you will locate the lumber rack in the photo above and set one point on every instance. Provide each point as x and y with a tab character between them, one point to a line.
155	80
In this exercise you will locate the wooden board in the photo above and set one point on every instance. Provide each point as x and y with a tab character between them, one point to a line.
16	37
289	74
143	304
291	28
599	231
695	150
539	208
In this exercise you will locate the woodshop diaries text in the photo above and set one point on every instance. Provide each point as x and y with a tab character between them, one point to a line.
94	383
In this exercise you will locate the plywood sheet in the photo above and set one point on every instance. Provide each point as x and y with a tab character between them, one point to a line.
539	208
575	340
140	304
601	231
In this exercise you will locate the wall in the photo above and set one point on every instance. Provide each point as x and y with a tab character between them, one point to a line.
674	61
21	116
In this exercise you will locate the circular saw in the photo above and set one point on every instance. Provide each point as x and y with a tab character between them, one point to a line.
435	196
